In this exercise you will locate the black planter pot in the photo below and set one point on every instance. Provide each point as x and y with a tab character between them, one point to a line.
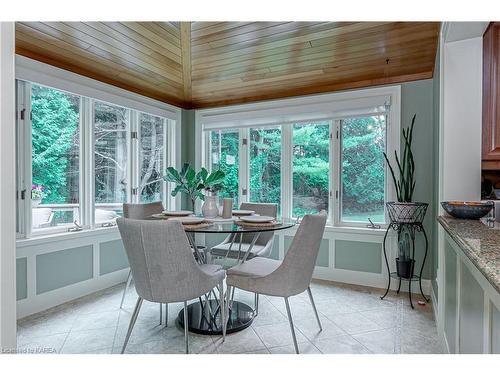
404	268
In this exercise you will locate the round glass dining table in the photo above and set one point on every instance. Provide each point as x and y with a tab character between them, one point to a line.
204	315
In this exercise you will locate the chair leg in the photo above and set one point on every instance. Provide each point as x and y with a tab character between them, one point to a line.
135	314
314	307
222	310
166	315
291	325
161	313
256	299
228	313
129	279
186	328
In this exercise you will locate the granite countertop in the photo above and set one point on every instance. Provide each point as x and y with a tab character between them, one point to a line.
479	243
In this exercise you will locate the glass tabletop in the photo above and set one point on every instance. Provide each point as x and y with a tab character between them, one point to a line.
232	227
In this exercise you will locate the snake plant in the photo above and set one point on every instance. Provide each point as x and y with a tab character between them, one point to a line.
405	184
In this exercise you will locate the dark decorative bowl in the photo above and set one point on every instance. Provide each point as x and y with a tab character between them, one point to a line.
468	210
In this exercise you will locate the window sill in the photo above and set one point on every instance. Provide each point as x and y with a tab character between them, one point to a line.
63	236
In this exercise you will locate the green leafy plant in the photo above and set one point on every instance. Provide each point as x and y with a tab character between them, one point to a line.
193	184
211	182
187	181
405	184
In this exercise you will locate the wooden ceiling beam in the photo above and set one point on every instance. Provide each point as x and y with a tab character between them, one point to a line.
185	33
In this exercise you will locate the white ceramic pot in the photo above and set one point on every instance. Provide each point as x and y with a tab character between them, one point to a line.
35	202
209	208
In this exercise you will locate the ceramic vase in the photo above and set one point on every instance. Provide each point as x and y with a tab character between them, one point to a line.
209	208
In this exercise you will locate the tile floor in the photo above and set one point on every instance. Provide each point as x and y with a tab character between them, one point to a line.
354	320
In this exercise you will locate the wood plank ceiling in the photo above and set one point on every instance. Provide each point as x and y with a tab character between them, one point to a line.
206	64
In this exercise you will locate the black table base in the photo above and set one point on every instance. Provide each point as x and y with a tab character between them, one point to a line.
206	321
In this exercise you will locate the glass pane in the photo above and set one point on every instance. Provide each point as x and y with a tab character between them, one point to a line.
111	157
224	146
151	157
55	157
311	144
265	166
363	177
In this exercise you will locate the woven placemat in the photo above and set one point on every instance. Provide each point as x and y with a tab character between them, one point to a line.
242	223
196	226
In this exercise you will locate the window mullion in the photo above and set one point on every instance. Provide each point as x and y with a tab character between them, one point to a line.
244	184
286	170
86	162
89	155
27	159
133	173
336	185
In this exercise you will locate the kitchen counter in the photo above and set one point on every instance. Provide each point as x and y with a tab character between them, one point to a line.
479	243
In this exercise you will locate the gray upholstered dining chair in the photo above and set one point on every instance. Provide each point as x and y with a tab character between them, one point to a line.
283	278
164	269
142	211
263	247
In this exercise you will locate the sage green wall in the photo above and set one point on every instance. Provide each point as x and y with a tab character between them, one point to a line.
61	268
21	278
358	256
417	97
112	257
187	145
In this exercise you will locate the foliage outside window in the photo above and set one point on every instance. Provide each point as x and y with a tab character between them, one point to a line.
363	173
111	157
265	166
224	147
151	157
311	166
55	135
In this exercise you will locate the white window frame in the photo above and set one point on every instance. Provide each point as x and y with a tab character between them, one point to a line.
28	71
393	123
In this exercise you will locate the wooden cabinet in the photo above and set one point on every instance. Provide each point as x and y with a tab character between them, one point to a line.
491	98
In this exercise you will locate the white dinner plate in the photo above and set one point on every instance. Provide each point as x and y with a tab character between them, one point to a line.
189	220
243	212
257	219
177	213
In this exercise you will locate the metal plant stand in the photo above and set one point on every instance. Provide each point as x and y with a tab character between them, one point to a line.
412	227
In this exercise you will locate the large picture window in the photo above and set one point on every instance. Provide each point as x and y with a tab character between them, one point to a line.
265	165
111	131
308	154
79	159
224	155
152	157
363	176
311	164
55	157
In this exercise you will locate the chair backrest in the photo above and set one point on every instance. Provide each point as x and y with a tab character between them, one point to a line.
298	265
263	209
141	210
162	264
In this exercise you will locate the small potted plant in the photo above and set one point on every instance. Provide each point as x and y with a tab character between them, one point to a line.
405	210
404	263
187	181
211	184
37	194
